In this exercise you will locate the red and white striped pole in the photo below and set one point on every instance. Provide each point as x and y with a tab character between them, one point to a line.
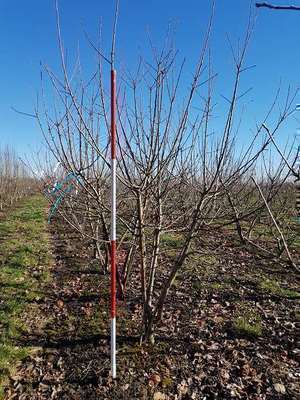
113	226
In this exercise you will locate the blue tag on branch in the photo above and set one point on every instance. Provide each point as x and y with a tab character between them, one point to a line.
60	190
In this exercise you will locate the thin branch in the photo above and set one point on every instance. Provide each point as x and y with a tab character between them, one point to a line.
273	7
275	224
113	43
96	49
290	167
23	113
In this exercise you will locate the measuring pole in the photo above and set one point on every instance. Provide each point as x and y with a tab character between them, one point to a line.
113	226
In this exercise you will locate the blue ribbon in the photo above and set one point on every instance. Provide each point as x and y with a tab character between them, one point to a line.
60	193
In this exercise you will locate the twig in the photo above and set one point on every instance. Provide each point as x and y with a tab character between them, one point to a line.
273	7
113	43
96	49
23	113
280	152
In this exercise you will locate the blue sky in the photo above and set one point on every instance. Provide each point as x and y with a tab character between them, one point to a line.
28	37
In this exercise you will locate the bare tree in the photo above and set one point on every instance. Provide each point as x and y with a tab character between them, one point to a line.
177	174
15	178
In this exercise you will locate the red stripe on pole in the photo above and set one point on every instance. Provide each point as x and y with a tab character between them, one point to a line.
113	278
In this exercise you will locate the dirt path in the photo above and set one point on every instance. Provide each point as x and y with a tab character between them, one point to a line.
229	332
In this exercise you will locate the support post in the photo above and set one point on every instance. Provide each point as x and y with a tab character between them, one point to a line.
113	226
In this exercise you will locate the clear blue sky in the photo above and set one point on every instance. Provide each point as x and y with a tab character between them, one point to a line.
28	36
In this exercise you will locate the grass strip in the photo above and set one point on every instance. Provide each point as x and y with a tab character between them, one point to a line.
24	260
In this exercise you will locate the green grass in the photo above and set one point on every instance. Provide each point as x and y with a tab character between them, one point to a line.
211	286
247	321
216	286
248	325
271	286
9	356
171	241
24	250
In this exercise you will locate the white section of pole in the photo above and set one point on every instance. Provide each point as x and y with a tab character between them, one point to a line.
113	349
